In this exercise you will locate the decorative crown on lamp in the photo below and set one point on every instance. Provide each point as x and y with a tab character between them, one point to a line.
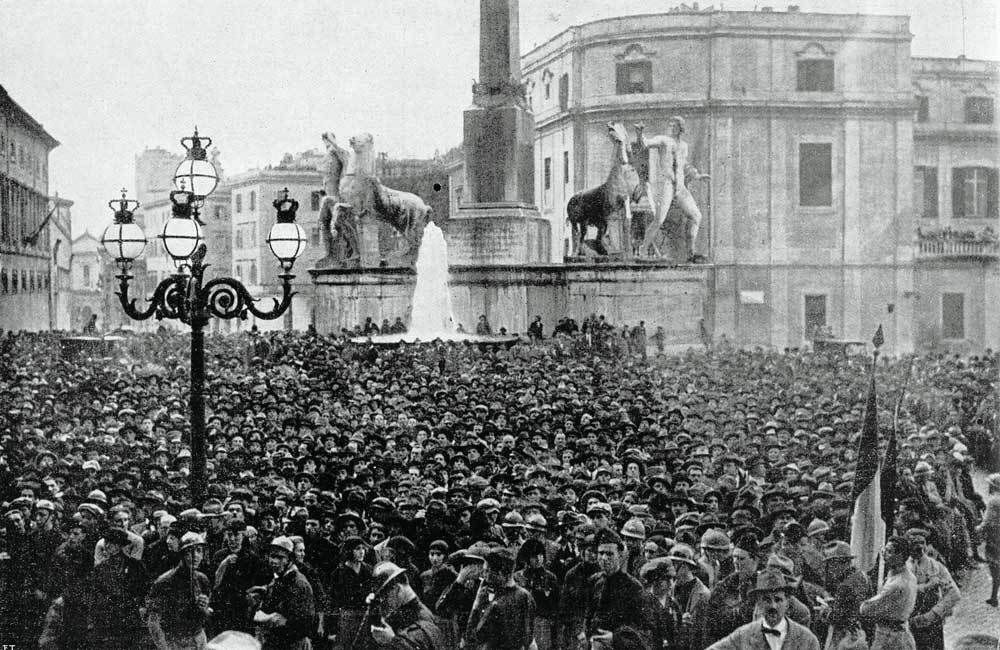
123	240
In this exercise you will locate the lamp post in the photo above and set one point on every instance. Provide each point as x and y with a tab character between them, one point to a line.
185	296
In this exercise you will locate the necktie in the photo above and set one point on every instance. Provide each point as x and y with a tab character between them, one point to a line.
770	630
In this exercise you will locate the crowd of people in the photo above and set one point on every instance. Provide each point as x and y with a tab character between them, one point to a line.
543	496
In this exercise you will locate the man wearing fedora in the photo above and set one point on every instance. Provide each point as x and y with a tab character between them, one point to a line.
775	631
399	620
177	604
287	613
850	587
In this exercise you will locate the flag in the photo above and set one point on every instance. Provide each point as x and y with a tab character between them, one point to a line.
887	479
867	526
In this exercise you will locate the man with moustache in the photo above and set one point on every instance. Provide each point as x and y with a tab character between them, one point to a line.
777	631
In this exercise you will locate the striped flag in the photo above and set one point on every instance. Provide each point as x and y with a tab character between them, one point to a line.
867	525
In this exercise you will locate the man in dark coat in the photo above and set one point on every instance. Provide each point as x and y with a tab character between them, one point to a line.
287	614
177	604
503	615
616	597
850	588
119	588
406	624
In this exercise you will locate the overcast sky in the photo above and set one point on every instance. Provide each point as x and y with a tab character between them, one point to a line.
108	78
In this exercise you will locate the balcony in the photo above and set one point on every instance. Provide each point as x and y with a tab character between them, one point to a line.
932	247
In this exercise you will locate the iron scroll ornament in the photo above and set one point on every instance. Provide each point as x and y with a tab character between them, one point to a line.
182	297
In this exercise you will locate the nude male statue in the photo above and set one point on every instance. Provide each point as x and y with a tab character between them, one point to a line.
336	220
674	172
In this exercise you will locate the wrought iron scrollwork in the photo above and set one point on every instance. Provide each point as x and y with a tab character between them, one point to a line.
228	298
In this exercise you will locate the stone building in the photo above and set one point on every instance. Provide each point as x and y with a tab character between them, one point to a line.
90	290
955	159
60	228
805	123
26	244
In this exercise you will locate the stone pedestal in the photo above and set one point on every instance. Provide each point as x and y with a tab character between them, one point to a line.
498	233
499	154
368	229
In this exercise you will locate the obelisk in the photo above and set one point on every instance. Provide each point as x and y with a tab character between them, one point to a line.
498	223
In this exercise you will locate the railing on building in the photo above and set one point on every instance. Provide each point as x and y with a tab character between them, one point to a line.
957	248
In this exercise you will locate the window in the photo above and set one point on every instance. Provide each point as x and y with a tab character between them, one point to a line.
239	237
253	201
925	192
565	167
548	91
953	315
24	280
634	77
923	109
815	75
564	92
979	110
13	281
314	200
815	175
86	275
548	173
3	281
253	271
239	203
815	314
31	281
218	212
314	236
974	193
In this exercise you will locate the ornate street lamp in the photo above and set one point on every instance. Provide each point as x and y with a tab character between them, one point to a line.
184	296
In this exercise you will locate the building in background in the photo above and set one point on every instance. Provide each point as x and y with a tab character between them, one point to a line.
60	227
955	161
26	255
90	291
806	124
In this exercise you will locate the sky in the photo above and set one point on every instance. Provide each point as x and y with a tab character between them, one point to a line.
108	78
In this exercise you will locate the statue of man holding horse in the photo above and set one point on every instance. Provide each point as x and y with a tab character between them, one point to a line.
674	171
337	223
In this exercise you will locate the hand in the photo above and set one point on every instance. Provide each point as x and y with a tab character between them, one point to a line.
382	634
277	620
201	601
41	595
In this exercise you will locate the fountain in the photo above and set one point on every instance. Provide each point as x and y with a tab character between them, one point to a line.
432	317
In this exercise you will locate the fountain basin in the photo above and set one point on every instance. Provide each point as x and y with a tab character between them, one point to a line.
395	340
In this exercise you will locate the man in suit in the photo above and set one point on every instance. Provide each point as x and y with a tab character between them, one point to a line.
849	586
775	631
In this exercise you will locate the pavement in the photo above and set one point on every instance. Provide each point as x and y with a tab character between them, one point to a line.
972	616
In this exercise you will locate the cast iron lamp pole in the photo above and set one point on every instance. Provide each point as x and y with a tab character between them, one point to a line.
185	296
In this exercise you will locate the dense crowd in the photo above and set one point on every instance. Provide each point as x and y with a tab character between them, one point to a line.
547	495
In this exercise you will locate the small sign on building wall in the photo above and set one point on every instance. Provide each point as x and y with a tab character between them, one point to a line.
751	297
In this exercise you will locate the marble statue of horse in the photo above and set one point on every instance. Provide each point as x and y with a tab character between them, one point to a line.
404	211
593	207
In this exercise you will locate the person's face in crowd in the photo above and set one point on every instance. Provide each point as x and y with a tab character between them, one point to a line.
678	508
906	474
650	551
195	555
695	473
600	519
744	562
300	552
730	468
235	511
268	523
536	561
279	561
436	559
895	558
609	557
76	536
559	441
121	520
233	540
711	503
918	546
173	542
775	606
773	454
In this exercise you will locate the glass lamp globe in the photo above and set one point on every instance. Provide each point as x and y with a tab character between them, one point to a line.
123	241
181	237
287	241
196	176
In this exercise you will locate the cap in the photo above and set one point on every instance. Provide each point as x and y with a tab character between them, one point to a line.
190	540
384	574
283	543
770	579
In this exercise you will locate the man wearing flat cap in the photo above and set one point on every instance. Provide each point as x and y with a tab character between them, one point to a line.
775	631
287	613
399	620
119	586
503	614
177	604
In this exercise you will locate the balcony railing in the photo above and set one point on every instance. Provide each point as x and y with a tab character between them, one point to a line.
958	248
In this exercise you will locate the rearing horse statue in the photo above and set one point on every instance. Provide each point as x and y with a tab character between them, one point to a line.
593	207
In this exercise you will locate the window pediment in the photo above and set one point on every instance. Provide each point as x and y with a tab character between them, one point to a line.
814	50
635	52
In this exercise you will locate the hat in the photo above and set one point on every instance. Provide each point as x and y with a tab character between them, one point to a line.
190	540
385	574
837	551
92	508
683	554
45	504
283	543
438	545
500	559
634	528
657	569
817	527
715	540
770	579
535	522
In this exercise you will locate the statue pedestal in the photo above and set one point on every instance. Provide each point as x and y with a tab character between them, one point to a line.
498	234
499	154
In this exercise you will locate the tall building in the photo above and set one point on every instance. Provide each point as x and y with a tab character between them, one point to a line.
26	255
955	160
89	287
61	235
805	124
